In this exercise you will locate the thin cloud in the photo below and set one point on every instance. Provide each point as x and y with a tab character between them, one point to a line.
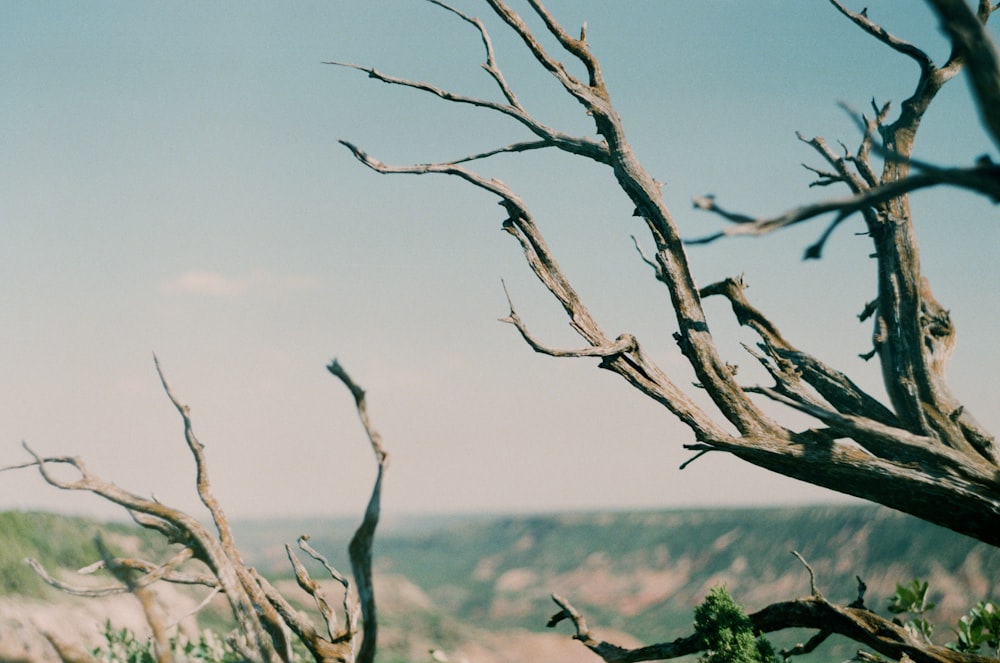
213	284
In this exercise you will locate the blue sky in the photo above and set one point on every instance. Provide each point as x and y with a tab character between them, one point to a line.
171	182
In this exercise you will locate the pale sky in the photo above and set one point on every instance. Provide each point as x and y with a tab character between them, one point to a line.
171	182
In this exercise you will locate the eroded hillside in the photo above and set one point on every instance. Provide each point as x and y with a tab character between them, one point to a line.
479	588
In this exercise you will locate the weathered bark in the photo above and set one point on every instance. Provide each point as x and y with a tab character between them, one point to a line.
922	453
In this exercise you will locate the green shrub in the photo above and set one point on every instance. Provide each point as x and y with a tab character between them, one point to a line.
728	633
124	647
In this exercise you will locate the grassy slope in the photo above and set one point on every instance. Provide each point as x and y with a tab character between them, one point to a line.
58	542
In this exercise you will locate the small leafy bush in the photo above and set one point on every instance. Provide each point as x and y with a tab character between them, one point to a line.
981	626
978	628
728	632
912	599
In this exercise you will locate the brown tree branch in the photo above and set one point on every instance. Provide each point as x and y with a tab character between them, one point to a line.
814	612
624	344
914	334
550	137
834	386
271	622
908	319
208	549
263	615
982	178
491	66
638	370
151	573
351	611
360	548
874	29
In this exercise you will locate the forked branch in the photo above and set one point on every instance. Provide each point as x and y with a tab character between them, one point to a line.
265	619
925	454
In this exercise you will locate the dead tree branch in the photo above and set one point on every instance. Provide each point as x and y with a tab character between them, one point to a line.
815	613
901	454
360	547
265	619
982	178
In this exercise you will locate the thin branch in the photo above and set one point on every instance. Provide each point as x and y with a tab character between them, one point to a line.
512	111
646	259
490	65
685	464
623	344
275	625
155	572
198	452
550	137
570	83
884	36
360	548
981	178
524	146
73	590
350	628
609	652
812	574
578	47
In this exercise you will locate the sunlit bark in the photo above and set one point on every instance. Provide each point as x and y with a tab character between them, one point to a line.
923	452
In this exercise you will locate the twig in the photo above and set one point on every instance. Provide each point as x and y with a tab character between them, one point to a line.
812	575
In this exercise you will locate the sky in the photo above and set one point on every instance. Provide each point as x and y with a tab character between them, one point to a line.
171	183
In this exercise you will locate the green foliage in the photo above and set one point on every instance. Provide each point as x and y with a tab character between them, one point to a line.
981	626
912	599
728	632
124	647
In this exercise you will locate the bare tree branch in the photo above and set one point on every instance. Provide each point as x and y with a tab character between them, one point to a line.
874	29
360	547
550	137
264	617
210	551
272	623
982	178
855	622
925	454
